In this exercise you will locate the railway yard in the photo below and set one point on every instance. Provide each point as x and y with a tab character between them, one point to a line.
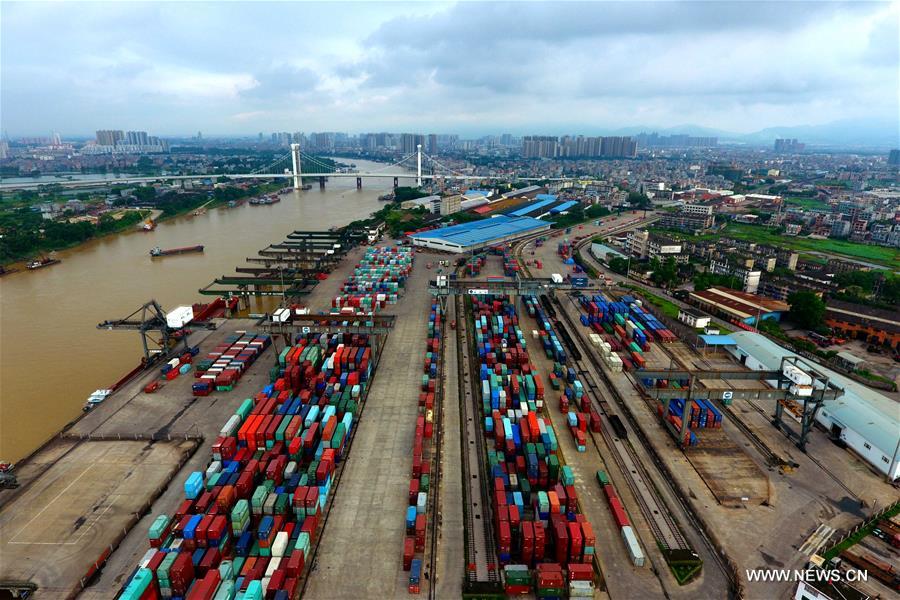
439	429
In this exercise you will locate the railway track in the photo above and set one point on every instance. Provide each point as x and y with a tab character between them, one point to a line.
481	555
721	561
771	457
653	507
435	491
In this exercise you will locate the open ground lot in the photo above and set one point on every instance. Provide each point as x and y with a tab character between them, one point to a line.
367	518
56	528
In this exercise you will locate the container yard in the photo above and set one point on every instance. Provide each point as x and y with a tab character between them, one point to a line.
482	444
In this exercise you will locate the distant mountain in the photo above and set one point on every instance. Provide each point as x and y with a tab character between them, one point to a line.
845	133
850	132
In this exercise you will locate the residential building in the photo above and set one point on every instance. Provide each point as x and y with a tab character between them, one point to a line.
690	217
840	229
894	158
410	141
789	145
663	247
109	137
749	276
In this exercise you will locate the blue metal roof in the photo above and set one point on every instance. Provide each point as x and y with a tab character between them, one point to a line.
562	207
532	207
545	197
718	340
480	232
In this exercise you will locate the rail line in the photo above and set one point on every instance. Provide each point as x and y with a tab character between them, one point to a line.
663	526
481	555
435	490
721	562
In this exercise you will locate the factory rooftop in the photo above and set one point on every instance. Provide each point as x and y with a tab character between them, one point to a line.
872	415
738	304
478	234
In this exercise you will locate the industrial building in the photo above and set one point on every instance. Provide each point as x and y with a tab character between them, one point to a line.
468	237
873	325
866	421
734	306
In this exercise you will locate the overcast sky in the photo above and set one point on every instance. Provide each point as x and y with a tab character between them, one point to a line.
469	68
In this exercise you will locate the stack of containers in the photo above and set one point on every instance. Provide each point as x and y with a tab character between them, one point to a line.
376	280
510	264
180	365
227	362
574	396
474	265
419	485
629	327
536	518
703	416
621	518
250	519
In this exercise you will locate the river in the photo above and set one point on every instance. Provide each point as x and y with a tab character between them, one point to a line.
51	354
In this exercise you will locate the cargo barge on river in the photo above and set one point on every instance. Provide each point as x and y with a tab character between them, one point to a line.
157	251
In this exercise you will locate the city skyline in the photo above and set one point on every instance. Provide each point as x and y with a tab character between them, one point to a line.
587	68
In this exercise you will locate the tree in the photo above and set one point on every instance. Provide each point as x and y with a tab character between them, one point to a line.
665	274
618	265
807	309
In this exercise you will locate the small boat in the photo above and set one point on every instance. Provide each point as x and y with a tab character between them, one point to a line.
157	251
96	398
7	271
148	225
306	187
199	211
40	263
386	197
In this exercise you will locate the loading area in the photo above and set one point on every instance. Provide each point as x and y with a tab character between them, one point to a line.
56	529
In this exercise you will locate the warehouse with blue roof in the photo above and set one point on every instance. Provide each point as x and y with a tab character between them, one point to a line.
468	237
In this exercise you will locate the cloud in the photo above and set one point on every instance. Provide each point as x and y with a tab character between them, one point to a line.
470	67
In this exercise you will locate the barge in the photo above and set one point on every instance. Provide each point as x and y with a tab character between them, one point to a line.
40	263
157	251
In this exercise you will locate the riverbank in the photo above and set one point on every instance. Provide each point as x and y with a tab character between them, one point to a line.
50	316
21	259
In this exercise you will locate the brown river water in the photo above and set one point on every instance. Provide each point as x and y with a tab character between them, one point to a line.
52	356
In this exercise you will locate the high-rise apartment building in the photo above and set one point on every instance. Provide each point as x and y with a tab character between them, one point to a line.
110	137
894	158
409	141
432	143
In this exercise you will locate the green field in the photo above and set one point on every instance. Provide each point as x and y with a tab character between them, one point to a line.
806	203
888	257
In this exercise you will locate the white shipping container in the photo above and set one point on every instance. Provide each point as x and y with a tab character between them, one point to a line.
279	546
581	589
231	426
273	562
421	503
634	548
797	375
801	390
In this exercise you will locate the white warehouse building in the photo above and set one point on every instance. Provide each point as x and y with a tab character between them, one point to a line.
868	422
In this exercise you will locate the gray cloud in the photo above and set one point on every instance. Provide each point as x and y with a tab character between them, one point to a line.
470	67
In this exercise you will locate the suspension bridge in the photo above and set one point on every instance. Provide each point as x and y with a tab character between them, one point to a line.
291	168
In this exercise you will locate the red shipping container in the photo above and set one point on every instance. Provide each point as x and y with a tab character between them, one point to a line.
409	551
580	572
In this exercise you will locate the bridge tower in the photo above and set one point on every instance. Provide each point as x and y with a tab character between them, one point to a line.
295	158
418	165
